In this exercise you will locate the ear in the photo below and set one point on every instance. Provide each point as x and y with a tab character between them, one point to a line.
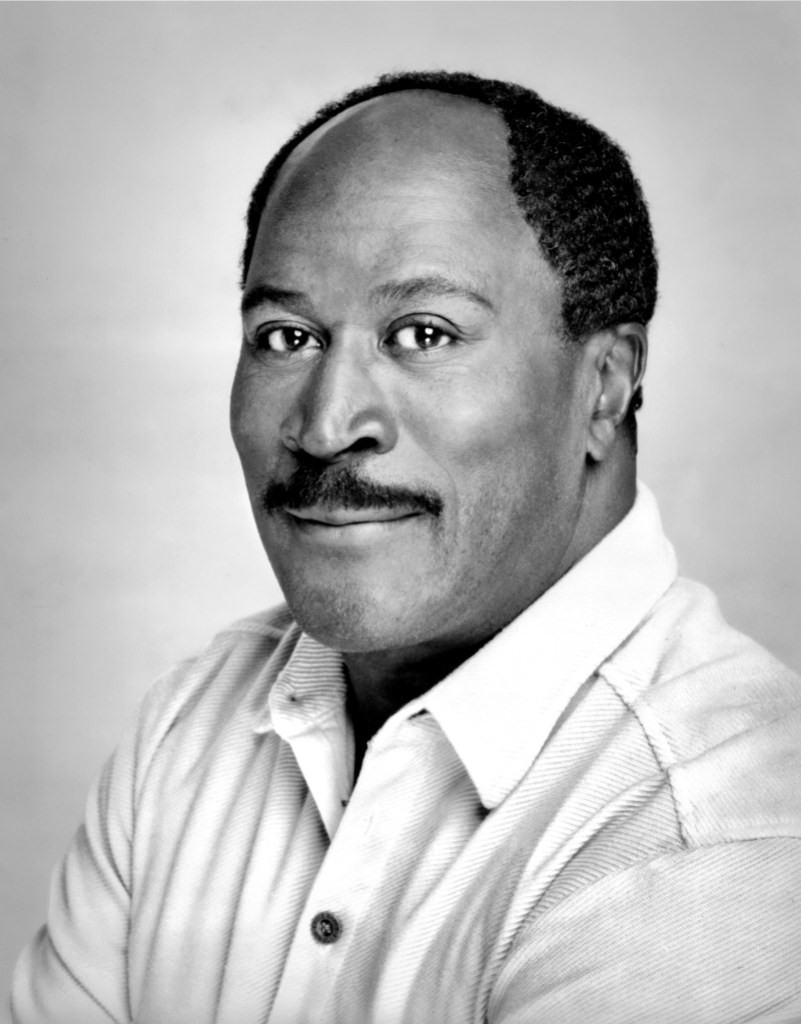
620	355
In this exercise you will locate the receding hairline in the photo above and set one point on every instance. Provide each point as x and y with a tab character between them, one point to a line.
363	115
456	86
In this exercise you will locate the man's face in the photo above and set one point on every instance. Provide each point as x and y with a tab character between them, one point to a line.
412	427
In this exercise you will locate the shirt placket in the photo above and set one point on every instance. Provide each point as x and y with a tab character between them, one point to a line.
319	982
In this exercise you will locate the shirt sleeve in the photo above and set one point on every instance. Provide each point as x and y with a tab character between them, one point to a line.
74	971
711	936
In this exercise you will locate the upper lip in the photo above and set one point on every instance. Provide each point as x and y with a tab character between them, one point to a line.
350	516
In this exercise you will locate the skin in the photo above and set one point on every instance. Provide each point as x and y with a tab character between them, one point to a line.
456	381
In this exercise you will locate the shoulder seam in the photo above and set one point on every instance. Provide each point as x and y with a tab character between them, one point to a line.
663	767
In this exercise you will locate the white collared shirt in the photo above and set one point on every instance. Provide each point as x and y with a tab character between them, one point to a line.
596	817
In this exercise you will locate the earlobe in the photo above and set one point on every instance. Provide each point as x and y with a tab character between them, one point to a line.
620	359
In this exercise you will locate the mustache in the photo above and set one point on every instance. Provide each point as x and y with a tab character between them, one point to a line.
325	486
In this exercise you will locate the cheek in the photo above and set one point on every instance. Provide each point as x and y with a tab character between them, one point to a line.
253	413
500	430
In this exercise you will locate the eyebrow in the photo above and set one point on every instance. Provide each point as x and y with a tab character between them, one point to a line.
265	294
432	285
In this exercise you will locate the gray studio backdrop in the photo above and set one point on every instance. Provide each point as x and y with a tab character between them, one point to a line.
129	137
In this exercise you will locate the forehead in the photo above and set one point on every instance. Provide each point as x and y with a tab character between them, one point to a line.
437	128
415	176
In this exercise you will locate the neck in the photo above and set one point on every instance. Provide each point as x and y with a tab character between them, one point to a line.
381	682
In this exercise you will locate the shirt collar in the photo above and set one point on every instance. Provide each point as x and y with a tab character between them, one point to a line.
306	708
498	708
303	684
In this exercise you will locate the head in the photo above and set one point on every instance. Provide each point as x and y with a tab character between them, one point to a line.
446	283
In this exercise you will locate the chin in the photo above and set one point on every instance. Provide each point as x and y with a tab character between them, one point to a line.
350	622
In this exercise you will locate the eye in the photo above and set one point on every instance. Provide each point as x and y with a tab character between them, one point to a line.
421	338
286	340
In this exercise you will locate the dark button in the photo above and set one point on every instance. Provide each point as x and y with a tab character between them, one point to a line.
326	927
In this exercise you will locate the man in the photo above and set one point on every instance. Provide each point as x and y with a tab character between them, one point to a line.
495	761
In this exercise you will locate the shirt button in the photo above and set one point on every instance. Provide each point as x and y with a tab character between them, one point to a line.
326	927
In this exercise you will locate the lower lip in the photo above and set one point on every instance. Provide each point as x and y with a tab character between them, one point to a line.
344	534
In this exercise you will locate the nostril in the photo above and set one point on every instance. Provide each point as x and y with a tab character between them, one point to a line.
362	444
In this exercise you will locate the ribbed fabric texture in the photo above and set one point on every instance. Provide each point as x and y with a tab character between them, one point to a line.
595	818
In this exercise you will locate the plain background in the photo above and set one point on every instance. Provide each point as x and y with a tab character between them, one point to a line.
130	136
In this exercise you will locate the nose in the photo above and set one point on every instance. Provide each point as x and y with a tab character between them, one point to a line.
341	410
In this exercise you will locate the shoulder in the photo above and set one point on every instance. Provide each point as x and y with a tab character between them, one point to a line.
685	634
696	865
228	679
230	659
722	715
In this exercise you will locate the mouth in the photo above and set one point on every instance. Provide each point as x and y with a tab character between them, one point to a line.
345	518
347	530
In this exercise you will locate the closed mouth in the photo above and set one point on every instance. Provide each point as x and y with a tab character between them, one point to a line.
339	517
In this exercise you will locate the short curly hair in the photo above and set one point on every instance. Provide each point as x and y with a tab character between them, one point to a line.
574	185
